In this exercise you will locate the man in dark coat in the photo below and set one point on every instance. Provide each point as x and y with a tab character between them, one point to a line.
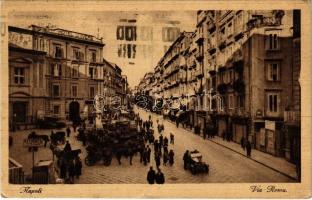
148	150
171	138
156	145
165	141
141	154
161	141
159	177
171	157
131	153
145	156
243	143
165	157
151	176
248	148
186	158
157	159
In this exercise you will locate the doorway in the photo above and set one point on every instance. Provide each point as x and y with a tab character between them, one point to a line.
74	111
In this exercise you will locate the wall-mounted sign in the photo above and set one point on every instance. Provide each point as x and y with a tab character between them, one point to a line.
270	125
259	113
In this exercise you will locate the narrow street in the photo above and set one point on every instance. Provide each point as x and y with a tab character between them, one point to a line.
226	166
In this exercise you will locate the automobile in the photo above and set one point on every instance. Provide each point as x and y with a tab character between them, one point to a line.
195	163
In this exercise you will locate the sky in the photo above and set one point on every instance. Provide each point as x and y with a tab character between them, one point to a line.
150	24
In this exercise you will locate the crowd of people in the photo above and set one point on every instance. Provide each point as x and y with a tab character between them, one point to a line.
163	154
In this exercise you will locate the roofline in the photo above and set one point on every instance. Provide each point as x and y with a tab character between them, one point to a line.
32	32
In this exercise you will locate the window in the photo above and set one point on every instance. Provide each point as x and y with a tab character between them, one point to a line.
58	51
56	70
92	92
19	75
231	101
75	70
240	101
74	90
56	109
41	75
55	90
76	53
93	56
273	72
92	72
272	42
273	103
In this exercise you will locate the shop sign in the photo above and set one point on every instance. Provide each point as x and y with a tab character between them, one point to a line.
270	125
259	113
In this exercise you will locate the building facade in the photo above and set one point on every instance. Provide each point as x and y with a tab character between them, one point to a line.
238	75
54	72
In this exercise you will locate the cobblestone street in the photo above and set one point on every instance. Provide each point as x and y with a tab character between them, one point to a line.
226	166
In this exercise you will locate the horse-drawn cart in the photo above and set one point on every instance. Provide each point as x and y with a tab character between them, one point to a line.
119	138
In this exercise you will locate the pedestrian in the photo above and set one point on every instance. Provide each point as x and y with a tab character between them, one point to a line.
205	132
75	127
71	172
78	166
177	122
145	157
161	141
159	128
131	153
223	134
165	148
171	157
165	157
118	156
186	159
141	150
159	177
156	145
151	176
148	150
248	148
67	147
157	159
171	138
165	141
243	143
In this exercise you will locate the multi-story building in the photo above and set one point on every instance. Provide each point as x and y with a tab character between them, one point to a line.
53	72
238	66
248	71
292	112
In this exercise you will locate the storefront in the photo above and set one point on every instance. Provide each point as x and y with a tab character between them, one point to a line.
269	137
239	128
222	125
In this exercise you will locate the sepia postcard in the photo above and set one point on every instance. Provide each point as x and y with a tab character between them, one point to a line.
156	99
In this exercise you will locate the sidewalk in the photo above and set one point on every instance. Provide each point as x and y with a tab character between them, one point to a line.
277	164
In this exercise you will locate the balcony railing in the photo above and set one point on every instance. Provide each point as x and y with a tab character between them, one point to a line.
199	54
292	116
199	37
